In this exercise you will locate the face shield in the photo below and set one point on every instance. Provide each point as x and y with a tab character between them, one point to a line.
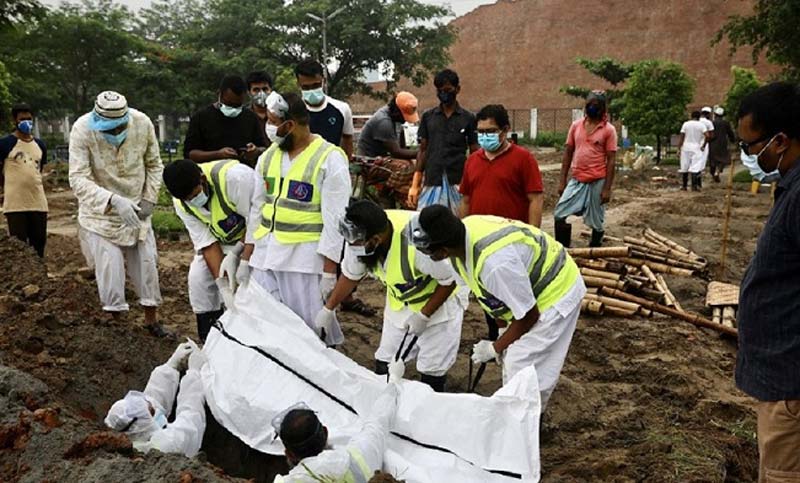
351	232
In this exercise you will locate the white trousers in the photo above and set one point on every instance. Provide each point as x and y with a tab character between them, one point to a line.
545	346
692	159
203	292
110	262
436	348
300	292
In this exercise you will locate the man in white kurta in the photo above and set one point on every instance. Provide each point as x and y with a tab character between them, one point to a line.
115	172
298	273
213	201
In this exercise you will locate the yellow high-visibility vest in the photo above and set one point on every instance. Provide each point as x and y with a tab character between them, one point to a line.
552	272
227	226
293	207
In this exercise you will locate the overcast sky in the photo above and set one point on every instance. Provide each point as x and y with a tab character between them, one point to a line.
460	7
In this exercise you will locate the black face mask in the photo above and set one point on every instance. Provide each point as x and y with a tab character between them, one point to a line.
593	111
446	97
287	144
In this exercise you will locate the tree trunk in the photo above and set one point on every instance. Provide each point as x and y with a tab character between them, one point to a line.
658	149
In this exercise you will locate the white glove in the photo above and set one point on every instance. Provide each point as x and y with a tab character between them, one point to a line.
327	284
145	209
228	268
226	292
197	358
243	273
183	350
324	320
126	209
484	351
396	370
417	323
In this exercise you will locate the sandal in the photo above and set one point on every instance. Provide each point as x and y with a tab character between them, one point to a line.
359	307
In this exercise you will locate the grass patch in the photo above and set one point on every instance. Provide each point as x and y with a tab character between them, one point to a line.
166	223
164	198
690	458
549	139
670	161
742	176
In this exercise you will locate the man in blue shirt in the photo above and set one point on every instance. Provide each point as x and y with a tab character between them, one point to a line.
768	363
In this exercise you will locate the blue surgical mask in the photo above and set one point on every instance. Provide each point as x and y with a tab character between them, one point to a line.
314	97
160	419
199	201
229	111
115	139
25	127
489	141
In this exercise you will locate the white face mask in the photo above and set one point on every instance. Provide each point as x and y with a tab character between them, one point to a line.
361	250
272	134
199	201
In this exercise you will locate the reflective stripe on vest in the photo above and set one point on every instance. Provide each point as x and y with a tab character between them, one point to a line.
404	285
225	223
293	220
547	288
358	471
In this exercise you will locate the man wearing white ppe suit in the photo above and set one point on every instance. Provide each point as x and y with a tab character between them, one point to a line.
142	416
422	315
301	188
115	172
690	145
213	201
305	439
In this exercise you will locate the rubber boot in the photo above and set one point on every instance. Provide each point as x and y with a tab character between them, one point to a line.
754	186
381	368
597	239
699	180
695	182
435	382
685	177
205	321
563	232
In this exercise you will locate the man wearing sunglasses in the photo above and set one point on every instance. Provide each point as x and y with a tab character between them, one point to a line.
768	361
420	301
519	275
115	172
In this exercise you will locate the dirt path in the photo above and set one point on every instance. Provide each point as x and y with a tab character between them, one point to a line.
638	400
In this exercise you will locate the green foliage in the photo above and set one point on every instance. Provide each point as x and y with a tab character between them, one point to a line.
166	223
772	29
656	97
5	99
550	139
612	71
670	161
14	11
745	81
742	176
164	198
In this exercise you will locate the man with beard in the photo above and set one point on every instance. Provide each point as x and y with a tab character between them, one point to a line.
590	153
420	300
301	189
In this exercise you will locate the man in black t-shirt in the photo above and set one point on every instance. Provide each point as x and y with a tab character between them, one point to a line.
224	130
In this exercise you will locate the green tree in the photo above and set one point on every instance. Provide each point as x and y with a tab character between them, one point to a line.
772	29
5	98
62	61
13	11
655	99
610	70
745	81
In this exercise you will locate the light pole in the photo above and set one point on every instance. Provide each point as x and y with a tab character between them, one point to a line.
324	20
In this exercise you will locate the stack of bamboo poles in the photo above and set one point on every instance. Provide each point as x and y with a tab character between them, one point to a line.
723	298
628	280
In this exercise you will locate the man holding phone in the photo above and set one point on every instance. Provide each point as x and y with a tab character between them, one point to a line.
225	130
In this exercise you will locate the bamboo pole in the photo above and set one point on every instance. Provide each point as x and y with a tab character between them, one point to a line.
621	304
686	316
723	257
668	293
649	246
592	290
728	316
667	260
650	276
603	252
666	241
650	294
657	267
619	312
603	282
717	317
604	265
600	274
592	307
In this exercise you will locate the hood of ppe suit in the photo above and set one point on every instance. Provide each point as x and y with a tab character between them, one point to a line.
329	463
135	405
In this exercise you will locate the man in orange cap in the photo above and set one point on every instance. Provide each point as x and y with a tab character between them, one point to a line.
381	134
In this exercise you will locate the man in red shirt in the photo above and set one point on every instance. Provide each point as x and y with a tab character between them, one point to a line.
501	179
591	152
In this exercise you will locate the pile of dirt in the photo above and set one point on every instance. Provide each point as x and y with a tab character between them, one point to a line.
70	363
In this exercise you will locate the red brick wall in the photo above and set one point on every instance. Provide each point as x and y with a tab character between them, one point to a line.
519	52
